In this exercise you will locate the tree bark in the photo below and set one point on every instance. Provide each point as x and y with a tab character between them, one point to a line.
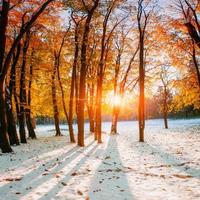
196	64
54	100
165	120
3	27
141	114
4	141
142	18
12	130
16	97
114	120
23	104
11	125
115	106
70	125
165	108
91	108
82	85
193	33
31	131
98	129
73	81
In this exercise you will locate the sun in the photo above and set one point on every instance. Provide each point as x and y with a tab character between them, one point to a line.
113	100
117	100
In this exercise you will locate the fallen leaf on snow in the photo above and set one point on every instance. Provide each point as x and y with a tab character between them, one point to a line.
64	184
13	179
183	176
79	192
74	174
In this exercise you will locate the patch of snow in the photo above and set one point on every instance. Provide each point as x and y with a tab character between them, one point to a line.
166	166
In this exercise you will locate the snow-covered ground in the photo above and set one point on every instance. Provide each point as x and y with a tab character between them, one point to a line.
166	166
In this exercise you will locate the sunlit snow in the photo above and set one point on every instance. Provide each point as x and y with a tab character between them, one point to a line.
166	166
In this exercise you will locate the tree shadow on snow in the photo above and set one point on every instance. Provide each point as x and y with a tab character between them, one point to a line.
40	153
42	173
169	159
110	181
54	191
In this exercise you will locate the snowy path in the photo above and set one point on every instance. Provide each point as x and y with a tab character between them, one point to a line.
167	166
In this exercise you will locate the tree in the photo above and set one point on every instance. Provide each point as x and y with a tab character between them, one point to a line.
22	107
105	39
120	84
11	91
5	62
91	80
30	127
142	19
82	84
57	56
164	76
74	78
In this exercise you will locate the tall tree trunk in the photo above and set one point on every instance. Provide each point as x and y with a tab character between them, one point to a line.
22	110
54	100
100	74
98	108
196	64
141	114
57	68
73	88
115	106
98	128
70	125
142	18
4	141
16	97
82	85
81	100
77	92
31	131
12	130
